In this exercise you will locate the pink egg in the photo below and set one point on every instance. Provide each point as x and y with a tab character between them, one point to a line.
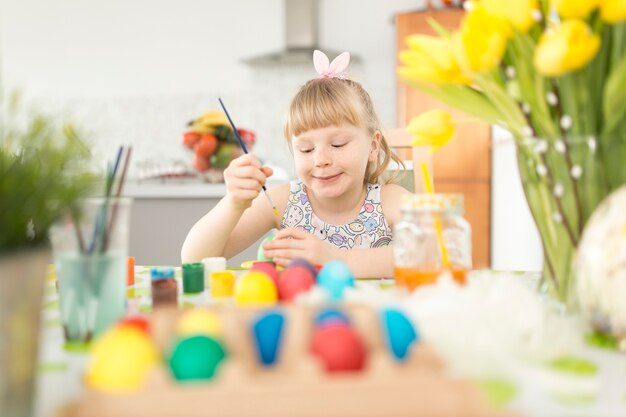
267	267
339	348
293	281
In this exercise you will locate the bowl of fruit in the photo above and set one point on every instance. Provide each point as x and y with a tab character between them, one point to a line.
214	144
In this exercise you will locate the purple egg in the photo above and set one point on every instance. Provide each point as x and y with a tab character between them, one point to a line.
303	262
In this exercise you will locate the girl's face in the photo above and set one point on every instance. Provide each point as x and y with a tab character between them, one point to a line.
331	161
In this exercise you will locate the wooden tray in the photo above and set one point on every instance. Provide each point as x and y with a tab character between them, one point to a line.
297	385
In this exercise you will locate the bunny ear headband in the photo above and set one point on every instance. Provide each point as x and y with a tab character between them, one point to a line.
327	69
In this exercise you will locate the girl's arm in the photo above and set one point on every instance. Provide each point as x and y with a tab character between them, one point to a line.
240	218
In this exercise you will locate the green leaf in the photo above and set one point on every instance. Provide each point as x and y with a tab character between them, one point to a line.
462	98
439	30
573	365
614	105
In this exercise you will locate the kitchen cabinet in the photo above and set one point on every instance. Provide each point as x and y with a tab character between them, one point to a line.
161	216
464	164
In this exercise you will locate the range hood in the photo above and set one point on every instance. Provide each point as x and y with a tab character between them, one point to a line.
301	36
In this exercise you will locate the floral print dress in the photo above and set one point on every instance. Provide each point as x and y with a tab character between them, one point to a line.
368	230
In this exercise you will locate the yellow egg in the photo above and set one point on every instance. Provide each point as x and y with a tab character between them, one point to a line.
248	264
255	288
120	360
199	322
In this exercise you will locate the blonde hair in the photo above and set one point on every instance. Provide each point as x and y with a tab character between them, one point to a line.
324	102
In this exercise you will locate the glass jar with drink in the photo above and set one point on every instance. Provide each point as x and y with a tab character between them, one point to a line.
432	237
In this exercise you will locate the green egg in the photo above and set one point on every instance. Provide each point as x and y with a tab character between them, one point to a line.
259	254
196	358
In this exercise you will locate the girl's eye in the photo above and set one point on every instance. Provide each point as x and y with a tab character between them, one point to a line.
306	150
339	145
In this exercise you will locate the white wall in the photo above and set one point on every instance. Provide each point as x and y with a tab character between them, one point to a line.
135	71
515	242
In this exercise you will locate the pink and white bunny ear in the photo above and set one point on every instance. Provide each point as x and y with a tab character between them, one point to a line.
340	63
333	69
321	63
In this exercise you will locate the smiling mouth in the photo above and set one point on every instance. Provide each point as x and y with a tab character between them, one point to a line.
326	178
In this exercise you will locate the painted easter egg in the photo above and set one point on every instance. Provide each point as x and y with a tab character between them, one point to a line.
331	315
140	322
339	348
255	288
199	322
259	254
121	359
268	267
196	358
293	281
303	262
267	330
335	277
400	332
600	267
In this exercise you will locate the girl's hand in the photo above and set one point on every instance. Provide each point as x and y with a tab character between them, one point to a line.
244	178
291	243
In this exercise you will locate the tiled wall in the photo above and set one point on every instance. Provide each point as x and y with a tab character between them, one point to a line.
153	125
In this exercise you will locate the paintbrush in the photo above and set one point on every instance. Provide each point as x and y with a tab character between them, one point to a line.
245	150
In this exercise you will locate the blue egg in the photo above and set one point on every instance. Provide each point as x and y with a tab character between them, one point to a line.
400	332
331	315
335	277
267	331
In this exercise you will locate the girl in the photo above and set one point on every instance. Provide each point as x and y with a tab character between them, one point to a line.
336	209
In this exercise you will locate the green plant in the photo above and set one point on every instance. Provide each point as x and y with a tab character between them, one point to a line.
44	170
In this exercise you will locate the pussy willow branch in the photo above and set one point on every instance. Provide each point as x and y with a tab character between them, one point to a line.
551	183
566	154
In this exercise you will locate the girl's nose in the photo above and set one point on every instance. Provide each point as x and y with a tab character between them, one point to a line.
322	158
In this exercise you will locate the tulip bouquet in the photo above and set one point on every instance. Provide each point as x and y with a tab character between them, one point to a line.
552	73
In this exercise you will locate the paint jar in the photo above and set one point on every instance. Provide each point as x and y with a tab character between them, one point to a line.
431	238
164	287
222	283
193	277
212	264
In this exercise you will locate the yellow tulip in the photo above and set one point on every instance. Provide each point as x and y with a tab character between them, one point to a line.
575	9
433	128
430	60
518	12
613	11
566	48
482	39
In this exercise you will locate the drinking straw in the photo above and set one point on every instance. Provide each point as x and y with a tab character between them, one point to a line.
428	184
245	150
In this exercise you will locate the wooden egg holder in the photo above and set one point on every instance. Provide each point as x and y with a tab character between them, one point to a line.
297	385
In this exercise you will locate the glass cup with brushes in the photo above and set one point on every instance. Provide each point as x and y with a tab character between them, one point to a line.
90	249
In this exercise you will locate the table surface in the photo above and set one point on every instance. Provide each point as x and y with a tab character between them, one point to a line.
591	384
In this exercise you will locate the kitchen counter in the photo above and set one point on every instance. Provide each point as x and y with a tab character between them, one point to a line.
174	190
179	189
163	213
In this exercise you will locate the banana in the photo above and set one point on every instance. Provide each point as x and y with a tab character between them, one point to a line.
208	121
213	118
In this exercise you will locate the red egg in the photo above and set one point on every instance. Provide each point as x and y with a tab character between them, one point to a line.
293	281
269	268
138	322
339	348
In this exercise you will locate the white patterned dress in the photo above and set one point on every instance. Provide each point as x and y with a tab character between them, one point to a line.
368	230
